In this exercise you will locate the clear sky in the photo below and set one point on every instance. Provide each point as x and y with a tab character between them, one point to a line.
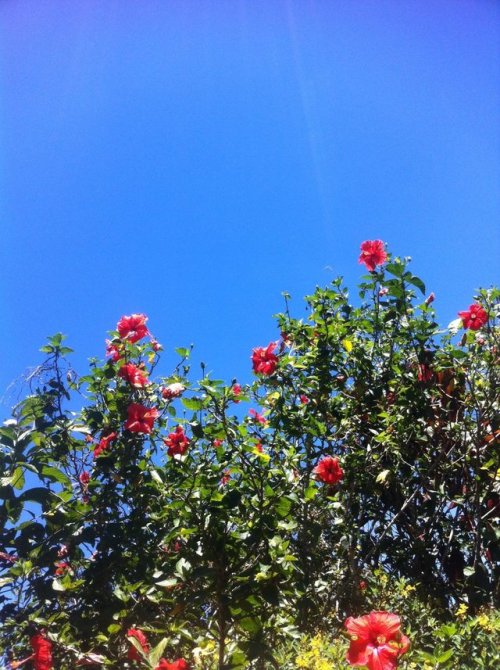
191	159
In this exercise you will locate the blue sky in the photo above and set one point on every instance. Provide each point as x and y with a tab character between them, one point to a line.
193	159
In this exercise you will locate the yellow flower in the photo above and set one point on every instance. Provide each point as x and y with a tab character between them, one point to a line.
484	621
313	656
462	610
409	588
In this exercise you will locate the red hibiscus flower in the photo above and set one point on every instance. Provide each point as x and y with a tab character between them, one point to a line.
172	391
140	419
372	254
104	444
236	389
133	375
260	418
376	641
133	328
226	476
304	399
218	443
180	664
133	652
474	318
425	373
62	568
177	442
42	648
113	351
156	346
328	470
264	360
84	479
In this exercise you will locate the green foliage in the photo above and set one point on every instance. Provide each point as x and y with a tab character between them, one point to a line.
232	553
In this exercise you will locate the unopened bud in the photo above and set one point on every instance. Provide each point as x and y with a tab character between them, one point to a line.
430	298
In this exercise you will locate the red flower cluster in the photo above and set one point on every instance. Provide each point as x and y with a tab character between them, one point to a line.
376	641
133	652
104	444
140	419
180	664
475	317
264	360
328	470
177	442
236	389
372	254
133	328
133	375
42	648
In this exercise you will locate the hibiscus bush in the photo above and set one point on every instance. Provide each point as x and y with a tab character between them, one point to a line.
342	507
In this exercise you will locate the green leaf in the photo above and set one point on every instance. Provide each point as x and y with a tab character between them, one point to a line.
18	478
57	585
166	583
37	494
194	404
284	506
250	625
55	475
135	643
382	476
445	656
197	429
395	269
114	628
121	595
310	492
182	567
155	476
157	652
416	281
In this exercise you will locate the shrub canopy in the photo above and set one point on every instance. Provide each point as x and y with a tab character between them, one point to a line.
224	519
